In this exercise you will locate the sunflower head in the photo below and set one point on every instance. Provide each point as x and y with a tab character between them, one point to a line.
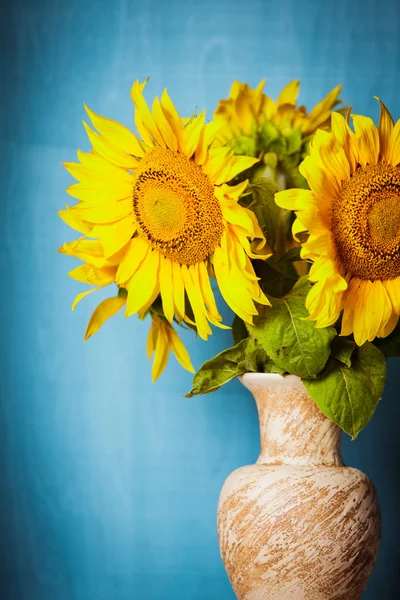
351	216
276	131
160	216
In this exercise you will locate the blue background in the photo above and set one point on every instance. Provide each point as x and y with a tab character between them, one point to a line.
110	484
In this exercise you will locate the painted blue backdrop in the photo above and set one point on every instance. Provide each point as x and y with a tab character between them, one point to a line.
109	484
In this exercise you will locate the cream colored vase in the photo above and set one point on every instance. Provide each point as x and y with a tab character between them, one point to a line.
297	525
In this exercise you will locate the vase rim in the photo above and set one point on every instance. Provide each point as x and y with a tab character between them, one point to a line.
256	380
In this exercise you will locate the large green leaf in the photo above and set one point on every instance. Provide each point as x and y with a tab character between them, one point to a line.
349	395
246	357
293	343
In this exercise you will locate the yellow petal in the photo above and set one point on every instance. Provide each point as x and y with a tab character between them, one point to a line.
133	258
113	236
324	301
116	133
144	114
109	151
93	275
104	311
192	133
321	112
178	348
143	284
368	140
82	295
73	220
207	137
207	292
394	145
393	289
96	194
105	213
289	93
166	288
385	129
373	311
90	251
346	138
173	118
331	153
196	301
296	199
161	354
388	327
322	269
94	163
178	290
164	126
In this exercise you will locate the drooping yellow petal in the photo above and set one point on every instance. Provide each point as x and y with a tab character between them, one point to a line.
106	309
144	115
161	354
179	350
82	295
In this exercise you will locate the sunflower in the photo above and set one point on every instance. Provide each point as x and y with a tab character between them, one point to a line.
163	218
352	216
247	109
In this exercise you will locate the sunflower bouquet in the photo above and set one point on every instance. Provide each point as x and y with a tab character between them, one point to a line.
293	216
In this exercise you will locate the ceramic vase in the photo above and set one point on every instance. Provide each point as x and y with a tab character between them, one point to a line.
298	524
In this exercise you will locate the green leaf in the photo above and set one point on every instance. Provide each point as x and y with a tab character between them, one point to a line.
239	331
292	343
342	349
262	203
349	395
292	255
247	356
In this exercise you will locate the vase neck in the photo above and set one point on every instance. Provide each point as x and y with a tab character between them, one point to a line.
293	429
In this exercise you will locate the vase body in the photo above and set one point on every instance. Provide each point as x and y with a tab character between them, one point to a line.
298	524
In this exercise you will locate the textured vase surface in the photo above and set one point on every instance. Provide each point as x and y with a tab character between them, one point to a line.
298	524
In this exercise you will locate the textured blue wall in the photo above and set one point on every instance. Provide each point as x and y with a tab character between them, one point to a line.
110	484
